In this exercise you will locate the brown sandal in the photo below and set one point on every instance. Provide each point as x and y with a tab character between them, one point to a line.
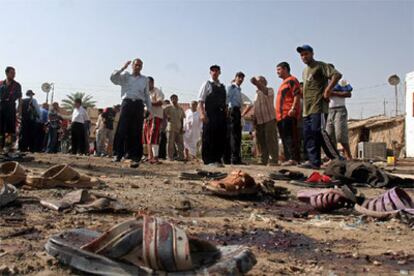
12	172
60	176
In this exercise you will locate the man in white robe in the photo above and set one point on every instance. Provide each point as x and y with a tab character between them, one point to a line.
192	128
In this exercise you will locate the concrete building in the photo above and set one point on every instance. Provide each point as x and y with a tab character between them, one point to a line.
409	117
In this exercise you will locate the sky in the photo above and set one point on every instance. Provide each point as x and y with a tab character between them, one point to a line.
78	44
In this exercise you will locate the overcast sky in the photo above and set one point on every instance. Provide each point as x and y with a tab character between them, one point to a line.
77	44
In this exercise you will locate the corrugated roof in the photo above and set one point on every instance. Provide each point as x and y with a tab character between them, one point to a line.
373	122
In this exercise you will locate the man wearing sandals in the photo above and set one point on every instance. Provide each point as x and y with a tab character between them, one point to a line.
134	94
288	112
213	113
319	79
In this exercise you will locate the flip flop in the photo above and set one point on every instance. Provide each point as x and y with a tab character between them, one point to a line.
84	201
238	183
146	246
12	172
326	200
317	180
287	175
63	176
389	203
8	194
202	175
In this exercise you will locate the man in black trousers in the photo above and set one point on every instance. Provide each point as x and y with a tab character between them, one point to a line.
134	94
213	113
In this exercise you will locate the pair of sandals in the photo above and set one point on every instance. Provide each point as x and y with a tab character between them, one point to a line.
391	202
63	176
146	246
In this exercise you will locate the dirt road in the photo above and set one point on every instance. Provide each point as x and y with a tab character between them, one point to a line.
286	236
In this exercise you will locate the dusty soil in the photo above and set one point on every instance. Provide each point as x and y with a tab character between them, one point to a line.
286	236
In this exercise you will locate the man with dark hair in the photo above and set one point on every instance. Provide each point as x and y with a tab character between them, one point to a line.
236	99
175	129
288	112
10	92
79	118
152	127
213	113
134	94
29	127
319	79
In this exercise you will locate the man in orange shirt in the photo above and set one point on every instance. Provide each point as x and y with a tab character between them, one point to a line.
288	112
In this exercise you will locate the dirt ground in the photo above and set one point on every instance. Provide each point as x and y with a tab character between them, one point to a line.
286	236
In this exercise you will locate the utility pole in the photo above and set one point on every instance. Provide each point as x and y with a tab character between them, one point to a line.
385	114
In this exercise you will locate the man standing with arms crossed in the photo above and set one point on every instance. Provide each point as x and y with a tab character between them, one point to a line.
212	106
10	92
134	94
319	79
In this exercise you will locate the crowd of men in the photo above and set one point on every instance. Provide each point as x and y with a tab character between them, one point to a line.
307	116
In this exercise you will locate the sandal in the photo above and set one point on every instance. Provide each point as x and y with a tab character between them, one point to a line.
326	200
12	172
146	246
287	175
8	193
317	180
202	175
60	176
236	184
84	201
389	203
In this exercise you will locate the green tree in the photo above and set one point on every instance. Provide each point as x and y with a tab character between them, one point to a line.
69	102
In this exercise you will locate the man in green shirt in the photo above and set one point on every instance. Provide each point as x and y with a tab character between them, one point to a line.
319	79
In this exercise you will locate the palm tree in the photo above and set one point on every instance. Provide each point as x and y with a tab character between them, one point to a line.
69	102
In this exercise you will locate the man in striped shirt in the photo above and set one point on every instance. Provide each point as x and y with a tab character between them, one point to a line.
265	121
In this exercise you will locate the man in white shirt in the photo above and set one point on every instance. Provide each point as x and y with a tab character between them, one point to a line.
192	131
79	118
337	122
134	94
152	127
213	113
